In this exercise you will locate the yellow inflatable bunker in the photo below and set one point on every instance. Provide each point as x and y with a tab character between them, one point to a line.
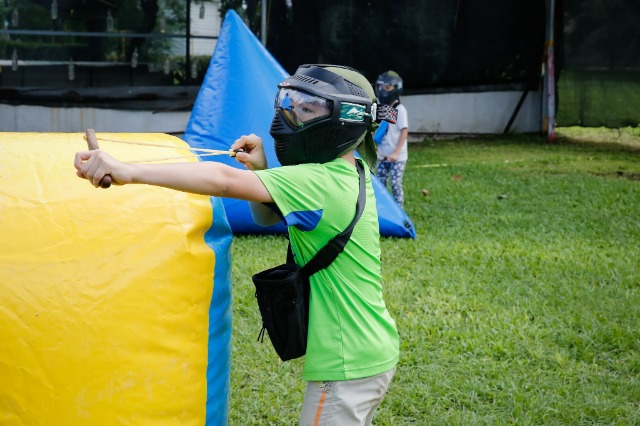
106	295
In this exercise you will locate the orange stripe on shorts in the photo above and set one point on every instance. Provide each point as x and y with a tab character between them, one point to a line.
319	412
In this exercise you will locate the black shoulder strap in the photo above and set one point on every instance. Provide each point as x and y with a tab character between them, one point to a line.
335	246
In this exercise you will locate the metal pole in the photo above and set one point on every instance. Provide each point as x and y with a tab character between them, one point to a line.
551	77
263	23
187	59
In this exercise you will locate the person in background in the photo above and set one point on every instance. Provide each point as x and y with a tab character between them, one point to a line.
322	113
392	138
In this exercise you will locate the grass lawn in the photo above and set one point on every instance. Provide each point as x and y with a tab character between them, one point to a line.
518	303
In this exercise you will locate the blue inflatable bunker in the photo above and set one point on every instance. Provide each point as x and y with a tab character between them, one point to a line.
236	98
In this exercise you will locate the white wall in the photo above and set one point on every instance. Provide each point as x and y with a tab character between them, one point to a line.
207	26
441	114
472	113
44	119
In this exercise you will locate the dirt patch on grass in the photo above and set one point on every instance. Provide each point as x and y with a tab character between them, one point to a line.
627	136
620	174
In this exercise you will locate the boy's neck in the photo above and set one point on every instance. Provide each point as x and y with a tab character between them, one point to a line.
350	157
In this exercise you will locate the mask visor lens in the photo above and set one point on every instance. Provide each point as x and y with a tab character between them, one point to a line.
300	108
385	87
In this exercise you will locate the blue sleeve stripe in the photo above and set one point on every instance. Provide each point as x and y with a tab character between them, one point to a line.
304	220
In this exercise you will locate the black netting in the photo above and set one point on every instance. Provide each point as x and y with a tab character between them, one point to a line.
460	45
432	44
600	84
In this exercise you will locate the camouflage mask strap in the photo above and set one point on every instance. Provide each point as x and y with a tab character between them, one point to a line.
386	113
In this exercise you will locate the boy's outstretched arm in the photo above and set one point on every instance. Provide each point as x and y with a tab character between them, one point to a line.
254	158
207	178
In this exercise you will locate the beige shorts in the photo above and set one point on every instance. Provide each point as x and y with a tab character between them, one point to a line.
344	403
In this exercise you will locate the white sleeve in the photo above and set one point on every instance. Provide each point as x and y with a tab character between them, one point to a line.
403	119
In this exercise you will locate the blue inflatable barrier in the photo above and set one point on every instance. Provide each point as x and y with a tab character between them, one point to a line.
236	98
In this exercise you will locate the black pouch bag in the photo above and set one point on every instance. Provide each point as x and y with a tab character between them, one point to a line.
283	292
284	307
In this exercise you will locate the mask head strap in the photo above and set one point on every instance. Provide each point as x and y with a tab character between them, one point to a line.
384	113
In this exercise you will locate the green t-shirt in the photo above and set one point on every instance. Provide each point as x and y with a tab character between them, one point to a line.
351	334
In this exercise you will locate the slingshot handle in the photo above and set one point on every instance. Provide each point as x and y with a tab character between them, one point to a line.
92	143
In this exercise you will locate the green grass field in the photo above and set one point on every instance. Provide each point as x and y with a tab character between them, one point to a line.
517	304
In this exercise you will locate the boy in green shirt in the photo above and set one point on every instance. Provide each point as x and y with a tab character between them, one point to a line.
322	114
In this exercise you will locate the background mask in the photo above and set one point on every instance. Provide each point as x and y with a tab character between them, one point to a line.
388	87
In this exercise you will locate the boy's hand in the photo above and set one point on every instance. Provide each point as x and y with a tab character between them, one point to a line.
392	158
94	165
253	157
